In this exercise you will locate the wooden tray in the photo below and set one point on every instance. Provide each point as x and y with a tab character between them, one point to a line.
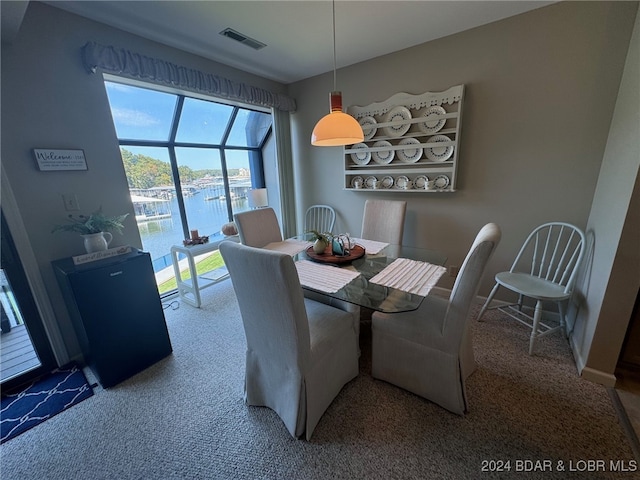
356	252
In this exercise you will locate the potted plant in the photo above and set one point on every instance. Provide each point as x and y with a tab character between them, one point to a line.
95	228
321	240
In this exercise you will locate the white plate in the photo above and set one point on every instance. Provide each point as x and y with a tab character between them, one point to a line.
402	183
433	123
383	156
420	182
441	181
357	179
369	128
439	154
397	114
361	158
410	154
370	182
387	182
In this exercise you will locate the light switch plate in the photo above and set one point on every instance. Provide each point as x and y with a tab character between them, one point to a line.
70	202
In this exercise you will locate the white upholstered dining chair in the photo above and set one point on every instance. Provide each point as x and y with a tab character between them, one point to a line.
257	228
544	270
383	221
429	351
300	353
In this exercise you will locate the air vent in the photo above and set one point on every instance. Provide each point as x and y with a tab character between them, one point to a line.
239	37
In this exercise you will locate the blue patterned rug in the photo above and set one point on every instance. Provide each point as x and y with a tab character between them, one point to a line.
61	389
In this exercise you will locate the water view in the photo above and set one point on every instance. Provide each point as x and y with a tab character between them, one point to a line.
161	228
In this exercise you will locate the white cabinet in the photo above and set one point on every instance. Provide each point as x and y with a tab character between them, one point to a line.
409	140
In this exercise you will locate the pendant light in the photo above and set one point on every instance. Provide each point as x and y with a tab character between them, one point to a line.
337	128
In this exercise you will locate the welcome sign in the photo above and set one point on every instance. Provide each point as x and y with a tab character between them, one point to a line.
52	160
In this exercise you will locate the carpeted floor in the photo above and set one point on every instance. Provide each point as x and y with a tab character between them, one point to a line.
184	418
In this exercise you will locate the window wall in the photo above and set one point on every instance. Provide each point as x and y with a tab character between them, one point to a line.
190	162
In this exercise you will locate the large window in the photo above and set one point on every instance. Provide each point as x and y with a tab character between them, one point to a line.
189	162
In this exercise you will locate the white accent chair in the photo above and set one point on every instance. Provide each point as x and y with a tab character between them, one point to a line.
429	351
321	218
300	353
259	227
383	221
544	270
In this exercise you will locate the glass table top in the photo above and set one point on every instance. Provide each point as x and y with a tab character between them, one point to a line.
361	291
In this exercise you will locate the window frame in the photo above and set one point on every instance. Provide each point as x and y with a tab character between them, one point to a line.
256	160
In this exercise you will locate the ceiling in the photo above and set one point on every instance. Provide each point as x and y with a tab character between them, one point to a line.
298	34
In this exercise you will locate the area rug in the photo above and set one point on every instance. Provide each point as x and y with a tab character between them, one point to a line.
41	400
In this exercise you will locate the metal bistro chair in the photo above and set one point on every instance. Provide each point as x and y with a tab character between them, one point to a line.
321	218
544	270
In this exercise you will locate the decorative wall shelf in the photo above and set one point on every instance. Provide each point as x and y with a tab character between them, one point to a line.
409	140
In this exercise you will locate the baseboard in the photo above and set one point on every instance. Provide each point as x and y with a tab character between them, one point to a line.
597	376
580	362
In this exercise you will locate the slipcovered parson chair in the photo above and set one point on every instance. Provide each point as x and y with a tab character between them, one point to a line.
300	352
429	351
383	221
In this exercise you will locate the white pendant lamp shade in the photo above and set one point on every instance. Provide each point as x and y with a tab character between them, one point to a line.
336	128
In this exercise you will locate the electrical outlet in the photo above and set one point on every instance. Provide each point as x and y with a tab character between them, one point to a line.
70	202
453	270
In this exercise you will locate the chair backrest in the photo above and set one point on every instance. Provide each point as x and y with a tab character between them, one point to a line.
257	228
467	282
271	305
321	218
383	221
553	251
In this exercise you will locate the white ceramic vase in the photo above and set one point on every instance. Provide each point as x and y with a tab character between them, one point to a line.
319	246
96	242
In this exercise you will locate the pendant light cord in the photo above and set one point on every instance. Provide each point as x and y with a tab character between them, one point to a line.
333	3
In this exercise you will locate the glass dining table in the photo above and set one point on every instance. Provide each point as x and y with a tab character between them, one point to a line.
361	291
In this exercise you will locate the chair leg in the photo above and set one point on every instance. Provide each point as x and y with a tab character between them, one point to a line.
563	319
489	298
537	316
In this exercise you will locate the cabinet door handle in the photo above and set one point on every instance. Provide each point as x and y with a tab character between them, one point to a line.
113	274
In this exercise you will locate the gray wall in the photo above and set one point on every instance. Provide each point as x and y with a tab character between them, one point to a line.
541	89
614	230
50	101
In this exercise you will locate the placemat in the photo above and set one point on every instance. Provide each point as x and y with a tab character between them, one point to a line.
410	276
370	246
290	246
325	278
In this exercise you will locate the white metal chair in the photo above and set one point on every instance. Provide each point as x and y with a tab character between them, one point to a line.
429	351
321	218
383	221
544	270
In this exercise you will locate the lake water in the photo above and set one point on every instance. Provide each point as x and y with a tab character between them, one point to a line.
206	216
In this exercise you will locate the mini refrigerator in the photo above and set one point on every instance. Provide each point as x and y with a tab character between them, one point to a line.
117	314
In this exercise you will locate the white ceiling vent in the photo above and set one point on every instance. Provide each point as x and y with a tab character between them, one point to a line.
239	37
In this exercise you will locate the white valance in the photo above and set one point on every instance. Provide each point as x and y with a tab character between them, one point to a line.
120	61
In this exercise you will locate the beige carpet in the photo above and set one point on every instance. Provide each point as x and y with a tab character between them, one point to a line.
184	418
